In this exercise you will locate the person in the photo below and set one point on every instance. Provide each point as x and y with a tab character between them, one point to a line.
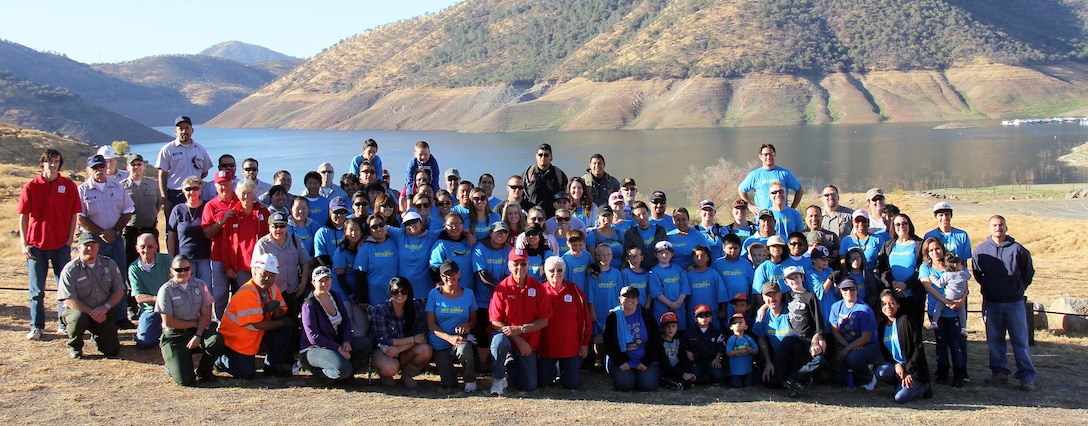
757	254
684	239
486	182
360	205
605	233
760	180
629	192
773	269
89	286
399	327
536	250
861	238
146	202
184	306
301	225
676	368
328	347
955	240
707	286
740	348
764	232
455	244
106	209
213	219
711	230
954	283
479	217
786	219
826	238
876	204
250	168
421	160
821	279
771	328
740	226
329	189
294	262
1004	270
835	217
421	182
343	266
543	180
951	342
600	183
256	316
644	234
179	159
242	230
798	252
582	206
658	216
634	276
565	341
326	238
226	163
317	204
377	260
868	285
905	363
453	178
515	195
112	171
563	230
632	340
518	311
562	203
669	287
48	209
451	314
602	287
804	345
443	203
853	325
386	207
414	245
370	154
282	179
897	267
737	272
704	346
489	260
277	200
146	274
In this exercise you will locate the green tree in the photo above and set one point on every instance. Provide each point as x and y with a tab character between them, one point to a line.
121	147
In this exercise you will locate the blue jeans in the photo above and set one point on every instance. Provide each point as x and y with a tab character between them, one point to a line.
330	364
743	380
245	366
625	381
858	360
220	288
1008	317
950	342
202	268
116	252
37	270
445	358
886	373
148	330
565	368
524	374
704	372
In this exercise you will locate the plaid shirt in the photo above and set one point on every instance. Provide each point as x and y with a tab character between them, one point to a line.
385	325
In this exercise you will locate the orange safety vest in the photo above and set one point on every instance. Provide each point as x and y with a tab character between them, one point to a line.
245	309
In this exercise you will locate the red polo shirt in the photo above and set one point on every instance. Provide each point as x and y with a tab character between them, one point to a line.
570	327
49	207
213	212
515	306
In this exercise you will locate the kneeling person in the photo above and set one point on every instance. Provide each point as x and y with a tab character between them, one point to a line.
89	286
256	314
185	305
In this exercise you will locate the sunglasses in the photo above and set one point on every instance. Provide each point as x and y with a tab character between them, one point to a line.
829	195
422	206
479	199
367	172
796	243
279	225
703	315
515	187
443	203
325	172
181	270
340	212
413	222
387	206
849	289
562	219
777	192
543	155
250	169
397	292
377	226
192	189
361	204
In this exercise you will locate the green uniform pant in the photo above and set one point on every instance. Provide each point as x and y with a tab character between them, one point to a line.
104	333
179	358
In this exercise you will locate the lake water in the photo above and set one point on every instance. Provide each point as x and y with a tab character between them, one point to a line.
893	156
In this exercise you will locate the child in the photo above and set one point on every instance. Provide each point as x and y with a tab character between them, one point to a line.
577	259
954	282
739	348
675	368
634	276
704	346
821	279
707	286
736	272
757	253
739	306
669	286
805	345
602	292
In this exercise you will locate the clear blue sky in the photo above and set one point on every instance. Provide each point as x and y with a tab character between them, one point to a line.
122	30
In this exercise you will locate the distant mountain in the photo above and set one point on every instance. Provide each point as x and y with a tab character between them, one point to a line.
501	65
245	53
58	110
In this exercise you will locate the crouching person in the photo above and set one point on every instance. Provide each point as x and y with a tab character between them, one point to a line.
185	305
329	349
89	286
256	314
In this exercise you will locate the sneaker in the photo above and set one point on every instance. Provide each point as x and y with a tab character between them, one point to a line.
470	387
871	385
998	379
75	353
62	330
296	368
963	331
498	386
794	389
1027	386
34	334
932	326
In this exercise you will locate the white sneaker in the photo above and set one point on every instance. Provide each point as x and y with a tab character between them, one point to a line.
498	386
871	385
963	331
34	334
296	368
470	387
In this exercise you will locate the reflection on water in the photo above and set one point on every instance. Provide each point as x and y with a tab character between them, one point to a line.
893	156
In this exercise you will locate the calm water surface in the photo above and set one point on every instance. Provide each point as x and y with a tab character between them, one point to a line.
893	156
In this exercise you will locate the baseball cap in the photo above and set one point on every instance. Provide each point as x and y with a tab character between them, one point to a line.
776	240
663	245
266	261
819	252
860	213
136	158
668	318
739	297
629	181
449	266
873	193
562	196
182	119
96	160
790	270
707	204
495	226
943	205
848	283
616	196
702	307
277	217
412	215
452	172
605	209
321	272
737	317
765	213
223	176
337	203
658	197
740	204
516	255
815	237
629	291
107	152
534	229
771	287
85	237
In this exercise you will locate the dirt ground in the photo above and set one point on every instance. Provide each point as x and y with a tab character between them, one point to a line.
41	385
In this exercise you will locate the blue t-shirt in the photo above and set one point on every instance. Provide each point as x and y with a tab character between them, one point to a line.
639	336
891	341
713	237
853	321
379	262
449	313
494	261
481	228
869	246
319	209
413	258
639	280
773	328
903	260
460	253
761	179
345	260
326	240
956	242
604	294
671	282
536	264
742	364
707	288
737	276
665	222
577	268
814	281
766	272
357	162
307	234
593	238
925	270
682	245
755	238
788	220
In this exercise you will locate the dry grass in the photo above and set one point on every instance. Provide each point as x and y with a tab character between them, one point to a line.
42	386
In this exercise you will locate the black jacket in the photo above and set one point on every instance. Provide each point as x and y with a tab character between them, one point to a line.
910	340
653	339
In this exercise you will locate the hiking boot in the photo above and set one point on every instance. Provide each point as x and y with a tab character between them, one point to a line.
1027	386
34	334
998	379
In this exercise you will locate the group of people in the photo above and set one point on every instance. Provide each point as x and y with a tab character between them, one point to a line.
561	276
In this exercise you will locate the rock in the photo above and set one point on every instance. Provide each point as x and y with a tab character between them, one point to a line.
1069	314
1040	316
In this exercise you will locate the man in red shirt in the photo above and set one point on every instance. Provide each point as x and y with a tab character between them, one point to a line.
519	310
48	207
216	214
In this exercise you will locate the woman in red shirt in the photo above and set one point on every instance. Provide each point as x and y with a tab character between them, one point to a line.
565	341
249	224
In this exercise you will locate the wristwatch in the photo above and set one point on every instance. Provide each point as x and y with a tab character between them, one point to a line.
522	329
107	305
